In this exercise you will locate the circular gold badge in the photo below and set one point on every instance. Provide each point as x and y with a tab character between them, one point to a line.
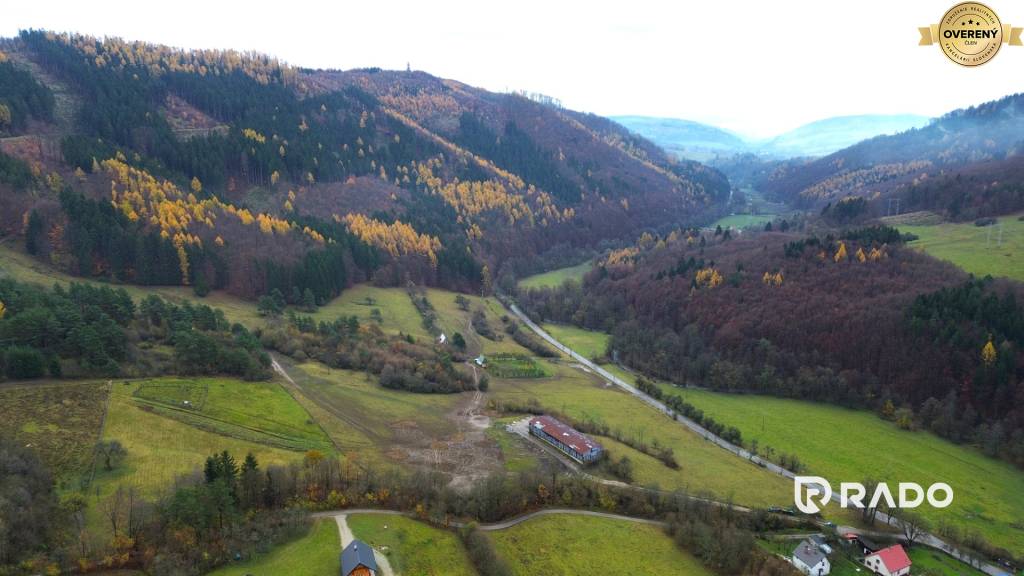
970	34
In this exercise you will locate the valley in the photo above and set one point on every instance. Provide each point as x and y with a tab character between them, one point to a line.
253	314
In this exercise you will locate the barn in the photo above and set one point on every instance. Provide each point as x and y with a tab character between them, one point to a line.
573	444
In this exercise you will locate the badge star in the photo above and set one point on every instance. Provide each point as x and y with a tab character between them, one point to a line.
970	21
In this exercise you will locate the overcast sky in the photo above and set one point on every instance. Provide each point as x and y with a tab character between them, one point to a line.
755	67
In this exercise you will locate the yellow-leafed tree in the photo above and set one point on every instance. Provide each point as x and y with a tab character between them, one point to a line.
3	310
841	253
988	353
196	185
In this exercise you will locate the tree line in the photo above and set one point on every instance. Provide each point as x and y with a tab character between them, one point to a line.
85	330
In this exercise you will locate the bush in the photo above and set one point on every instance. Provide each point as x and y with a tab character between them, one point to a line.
23	362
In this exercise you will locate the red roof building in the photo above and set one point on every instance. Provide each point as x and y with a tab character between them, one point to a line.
577	446
891	561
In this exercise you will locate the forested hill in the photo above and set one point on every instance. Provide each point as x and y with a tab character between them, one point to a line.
903	165
228	170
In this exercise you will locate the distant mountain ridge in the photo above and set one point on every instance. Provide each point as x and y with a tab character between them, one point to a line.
702	142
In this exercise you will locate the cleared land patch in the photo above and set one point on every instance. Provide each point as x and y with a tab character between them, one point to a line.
60	420
979	250
557	277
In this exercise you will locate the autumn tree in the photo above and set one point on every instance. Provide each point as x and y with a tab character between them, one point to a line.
988	353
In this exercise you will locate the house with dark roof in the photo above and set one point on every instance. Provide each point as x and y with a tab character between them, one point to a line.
357	559
577	446
891	561
821	543
809	559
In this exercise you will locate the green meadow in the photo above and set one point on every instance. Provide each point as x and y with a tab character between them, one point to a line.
597	546
315	554
413	548
851	445
588	343
261	412
557	277
976	249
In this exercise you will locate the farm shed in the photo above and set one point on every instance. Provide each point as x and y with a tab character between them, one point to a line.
574	444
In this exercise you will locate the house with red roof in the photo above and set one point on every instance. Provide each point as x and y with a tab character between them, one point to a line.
577	446
891	561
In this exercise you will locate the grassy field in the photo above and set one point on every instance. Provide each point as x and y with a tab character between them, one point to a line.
588	343
413	548
597	546
316	554
24	268
160	448
976	249
261	412
60	420
397	312
743	220
367	421
939	563
850	445
556	277
704	467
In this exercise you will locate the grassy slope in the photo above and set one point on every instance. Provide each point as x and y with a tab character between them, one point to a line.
597	546
850	445
556	277
704	467
258	411
588	343
413	548
972	248
452	319
159	448
24	268
61	420
316	554
399	315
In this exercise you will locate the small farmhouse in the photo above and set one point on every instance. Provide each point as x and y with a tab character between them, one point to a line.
809	559
577	446
357	559
891	561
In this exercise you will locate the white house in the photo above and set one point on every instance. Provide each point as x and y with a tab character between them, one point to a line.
891	561
809	559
